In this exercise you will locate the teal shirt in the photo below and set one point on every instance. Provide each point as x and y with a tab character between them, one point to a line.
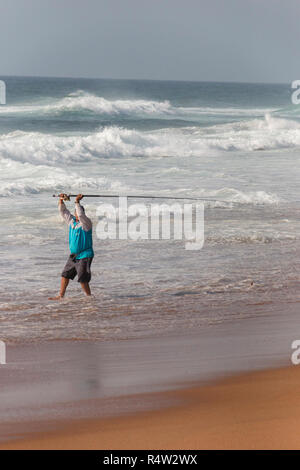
80	241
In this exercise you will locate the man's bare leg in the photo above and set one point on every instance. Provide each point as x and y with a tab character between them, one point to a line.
63	287
86	288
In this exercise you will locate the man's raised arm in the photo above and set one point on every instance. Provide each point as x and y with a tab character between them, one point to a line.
66	215
85	221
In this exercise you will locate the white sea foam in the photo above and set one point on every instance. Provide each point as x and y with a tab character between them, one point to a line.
36	179
25	178
241	197
250	237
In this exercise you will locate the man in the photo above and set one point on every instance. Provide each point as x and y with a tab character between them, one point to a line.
81	247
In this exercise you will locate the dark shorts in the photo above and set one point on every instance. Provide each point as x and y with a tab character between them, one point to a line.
80	267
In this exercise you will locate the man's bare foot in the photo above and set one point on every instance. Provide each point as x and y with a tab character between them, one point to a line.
58	297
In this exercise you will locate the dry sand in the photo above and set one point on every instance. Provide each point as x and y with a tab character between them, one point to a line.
259	410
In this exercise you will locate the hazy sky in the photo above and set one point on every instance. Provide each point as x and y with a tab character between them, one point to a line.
230	40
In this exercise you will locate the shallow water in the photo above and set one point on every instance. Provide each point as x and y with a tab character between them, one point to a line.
45	384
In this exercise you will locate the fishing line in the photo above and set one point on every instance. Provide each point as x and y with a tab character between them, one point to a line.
135	196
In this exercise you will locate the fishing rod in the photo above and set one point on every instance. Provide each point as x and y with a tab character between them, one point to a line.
67	197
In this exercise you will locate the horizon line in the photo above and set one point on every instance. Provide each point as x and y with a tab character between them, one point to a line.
146	79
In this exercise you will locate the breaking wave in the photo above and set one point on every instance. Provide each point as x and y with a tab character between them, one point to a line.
269	133
81	101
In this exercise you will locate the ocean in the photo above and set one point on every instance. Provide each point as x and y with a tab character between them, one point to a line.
232	142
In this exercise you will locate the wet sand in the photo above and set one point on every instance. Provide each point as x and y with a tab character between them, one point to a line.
259	410
202	390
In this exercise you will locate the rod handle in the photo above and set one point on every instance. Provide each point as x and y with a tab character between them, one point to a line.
66	197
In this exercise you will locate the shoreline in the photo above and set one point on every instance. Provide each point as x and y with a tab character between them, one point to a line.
258	410
46	388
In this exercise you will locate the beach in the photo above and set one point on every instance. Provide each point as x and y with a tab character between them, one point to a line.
170	335
149	229
253	411
231	386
